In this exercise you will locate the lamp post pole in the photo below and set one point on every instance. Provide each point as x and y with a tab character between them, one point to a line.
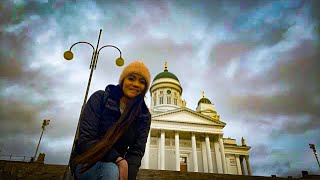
44	124
313	147
68	55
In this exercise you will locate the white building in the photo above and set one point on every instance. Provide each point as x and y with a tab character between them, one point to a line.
182	139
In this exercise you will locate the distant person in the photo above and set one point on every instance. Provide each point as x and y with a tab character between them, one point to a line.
114	128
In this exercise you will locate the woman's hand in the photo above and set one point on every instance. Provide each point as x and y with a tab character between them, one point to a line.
123	168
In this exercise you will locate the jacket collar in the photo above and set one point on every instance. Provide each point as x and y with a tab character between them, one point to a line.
114	92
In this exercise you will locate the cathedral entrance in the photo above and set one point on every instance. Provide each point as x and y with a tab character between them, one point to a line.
183	164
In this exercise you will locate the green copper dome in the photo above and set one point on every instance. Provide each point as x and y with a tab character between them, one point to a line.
166	74
204	100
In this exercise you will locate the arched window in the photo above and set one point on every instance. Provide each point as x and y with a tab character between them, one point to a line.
161	100
168	100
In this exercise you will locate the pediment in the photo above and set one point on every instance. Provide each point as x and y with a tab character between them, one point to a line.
185	115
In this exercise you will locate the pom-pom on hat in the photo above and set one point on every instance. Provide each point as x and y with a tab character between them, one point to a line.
136	67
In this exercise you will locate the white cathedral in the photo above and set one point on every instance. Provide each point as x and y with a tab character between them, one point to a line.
182	139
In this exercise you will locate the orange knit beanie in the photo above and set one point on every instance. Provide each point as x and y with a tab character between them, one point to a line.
136	67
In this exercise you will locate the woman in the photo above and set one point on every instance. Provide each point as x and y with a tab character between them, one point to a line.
114	127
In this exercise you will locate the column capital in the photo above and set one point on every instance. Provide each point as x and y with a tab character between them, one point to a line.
217	137
241	157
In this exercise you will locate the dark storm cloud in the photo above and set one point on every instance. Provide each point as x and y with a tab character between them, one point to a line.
18	110
166	50
26	91
12	53
315	10
259	151
299	125
18	145
282	163
301	75
222	53
11	13
17	117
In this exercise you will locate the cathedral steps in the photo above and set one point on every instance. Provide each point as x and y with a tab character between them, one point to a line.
145	174
10	170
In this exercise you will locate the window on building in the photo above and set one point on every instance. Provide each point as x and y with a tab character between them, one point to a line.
161	92
175	101
155	94
175	93
154	101
161	100
168	100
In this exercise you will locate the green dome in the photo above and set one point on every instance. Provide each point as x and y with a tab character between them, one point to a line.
204	100
166	74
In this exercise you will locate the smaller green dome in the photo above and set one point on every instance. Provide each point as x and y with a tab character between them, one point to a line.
204	100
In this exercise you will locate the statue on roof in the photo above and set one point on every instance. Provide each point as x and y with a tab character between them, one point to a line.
184	103
243	142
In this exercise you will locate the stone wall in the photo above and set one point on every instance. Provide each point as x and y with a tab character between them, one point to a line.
34	171
25	170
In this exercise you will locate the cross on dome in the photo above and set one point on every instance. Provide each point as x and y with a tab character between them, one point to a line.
166	66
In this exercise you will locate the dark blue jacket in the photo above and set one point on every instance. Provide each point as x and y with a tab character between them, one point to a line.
100	113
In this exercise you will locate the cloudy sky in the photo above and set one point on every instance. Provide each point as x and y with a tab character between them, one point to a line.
257	61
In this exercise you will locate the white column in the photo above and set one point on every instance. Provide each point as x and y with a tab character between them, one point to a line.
223	156
159	149
209	154
228	164
177	146
218	157
147	152
204	157
242	166
162	150
248	165
238	164
194	153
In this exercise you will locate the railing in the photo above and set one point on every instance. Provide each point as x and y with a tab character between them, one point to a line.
16	158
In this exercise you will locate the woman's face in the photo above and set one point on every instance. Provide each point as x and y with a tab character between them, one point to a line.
133	85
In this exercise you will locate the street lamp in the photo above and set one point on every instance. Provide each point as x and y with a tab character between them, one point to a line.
44	124
68	55
312	146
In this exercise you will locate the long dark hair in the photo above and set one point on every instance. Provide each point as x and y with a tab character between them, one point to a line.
97	151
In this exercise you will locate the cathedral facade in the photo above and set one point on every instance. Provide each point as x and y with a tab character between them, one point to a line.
182	139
